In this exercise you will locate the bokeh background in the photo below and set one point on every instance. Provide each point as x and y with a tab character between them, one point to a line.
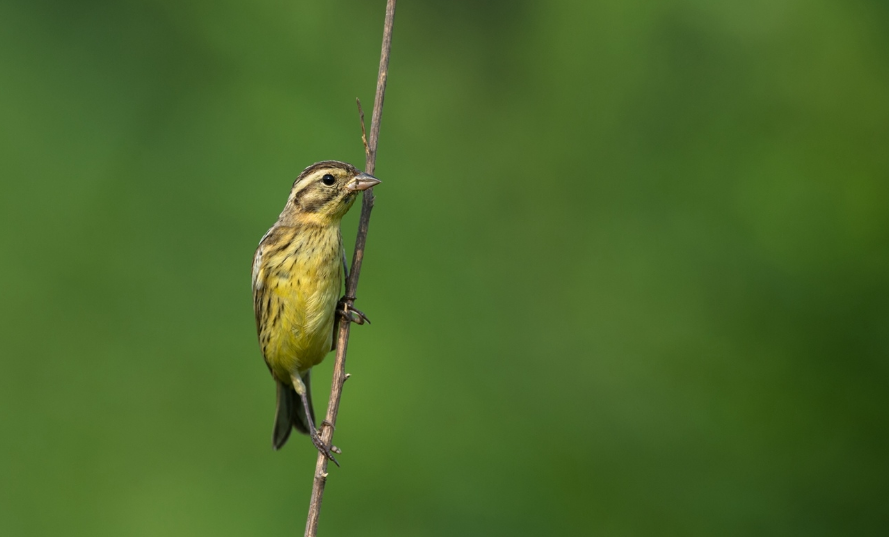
628	271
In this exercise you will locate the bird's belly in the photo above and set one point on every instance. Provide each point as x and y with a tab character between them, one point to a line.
304	300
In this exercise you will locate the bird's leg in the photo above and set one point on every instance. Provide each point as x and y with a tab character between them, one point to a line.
346	310
300	388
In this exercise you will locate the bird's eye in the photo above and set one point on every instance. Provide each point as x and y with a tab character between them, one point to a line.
328	179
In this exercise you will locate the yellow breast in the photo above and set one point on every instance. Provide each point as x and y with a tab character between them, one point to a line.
296	284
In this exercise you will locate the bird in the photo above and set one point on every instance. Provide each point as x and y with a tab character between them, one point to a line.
298	272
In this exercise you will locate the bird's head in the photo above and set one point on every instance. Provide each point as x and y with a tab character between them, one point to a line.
325	191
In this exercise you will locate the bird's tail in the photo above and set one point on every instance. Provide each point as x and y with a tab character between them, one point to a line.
290	413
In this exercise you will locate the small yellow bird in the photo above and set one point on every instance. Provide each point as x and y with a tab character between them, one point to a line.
297	278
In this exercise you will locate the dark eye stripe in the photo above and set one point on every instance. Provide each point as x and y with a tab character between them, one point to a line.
314	203
313	196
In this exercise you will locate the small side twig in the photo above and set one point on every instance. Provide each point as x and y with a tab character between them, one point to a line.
367	203
363	131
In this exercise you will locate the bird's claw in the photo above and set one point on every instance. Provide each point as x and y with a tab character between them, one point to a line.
326	451
345	309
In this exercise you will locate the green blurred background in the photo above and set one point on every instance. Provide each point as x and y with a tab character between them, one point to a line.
628	271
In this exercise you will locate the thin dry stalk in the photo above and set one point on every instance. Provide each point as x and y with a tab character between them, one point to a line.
363	131
342	343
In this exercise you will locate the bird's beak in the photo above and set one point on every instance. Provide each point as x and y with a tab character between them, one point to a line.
362	181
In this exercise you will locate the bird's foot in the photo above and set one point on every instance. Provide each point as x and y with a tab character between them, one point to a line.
346	310
332	426
326	451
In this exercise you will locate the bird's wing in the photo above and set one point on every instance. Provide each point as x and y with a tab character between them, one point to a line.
260	295
258	279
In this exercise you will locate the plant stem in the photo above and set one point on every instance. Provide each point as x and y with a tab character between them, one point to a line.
342	343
